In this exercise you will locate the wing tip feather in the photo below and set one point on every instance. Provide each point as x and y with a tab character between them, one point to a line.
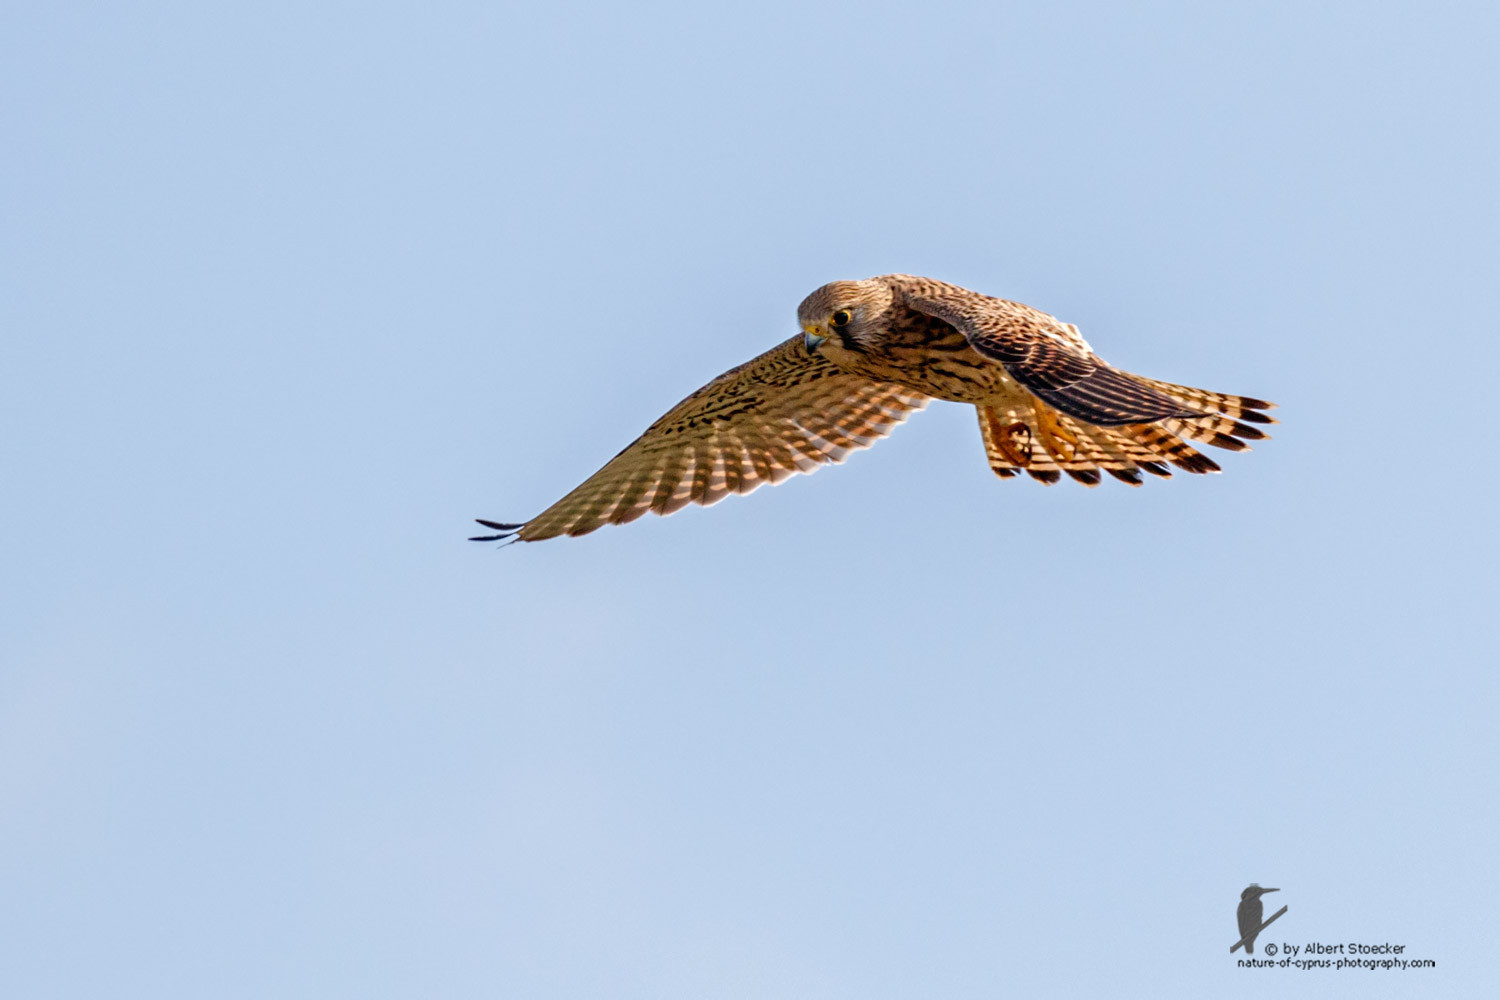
502	529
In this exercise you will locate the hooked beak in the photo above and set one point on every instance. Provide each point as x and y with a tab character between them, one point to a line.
812	338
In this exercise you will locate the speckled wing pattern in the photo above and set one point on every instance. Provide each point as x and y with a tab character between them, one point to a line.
1049	358
786	411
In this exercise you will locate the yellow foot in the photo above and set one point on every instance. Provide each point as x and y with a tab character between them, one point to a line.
1057	439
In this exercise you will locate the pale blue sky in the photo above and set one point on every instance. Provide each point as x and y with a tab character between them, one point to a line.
292	292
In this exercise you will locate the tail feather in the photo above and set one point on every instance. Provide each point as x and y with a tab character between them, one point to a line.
1167	445
1023	433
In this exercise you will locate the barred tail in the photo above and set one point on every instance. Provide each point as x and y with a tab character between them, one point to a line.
1026	434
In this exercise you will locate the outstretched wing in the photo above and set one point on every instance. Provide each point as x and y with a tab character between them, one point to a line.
787	411
1046	356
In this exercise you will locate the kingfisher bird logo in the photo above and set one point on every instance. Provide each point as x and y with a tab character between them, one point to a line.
1249	913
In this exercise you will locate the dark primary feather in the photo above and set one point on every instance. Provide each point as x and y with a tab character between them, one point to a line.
1078	384
1105	397
504	530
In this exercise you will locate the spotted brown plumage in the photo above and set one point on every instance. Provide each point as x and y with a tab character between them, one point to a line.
873	351
1045	356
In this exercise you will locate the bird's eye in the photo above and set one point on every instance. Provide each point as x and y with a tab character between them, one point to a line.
841	318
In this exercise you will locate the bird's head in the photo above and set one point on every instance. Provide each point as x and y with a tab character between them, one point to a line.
1253	891
844	315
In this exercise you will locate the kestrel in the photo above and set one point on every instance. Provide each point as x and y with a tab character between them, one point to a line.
872	352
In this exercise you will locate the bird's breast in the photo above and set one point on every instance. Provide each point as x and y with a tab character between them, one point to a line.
927	355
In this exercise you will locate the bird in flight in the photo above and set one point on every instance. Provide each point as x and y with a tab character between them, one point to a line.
869	354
